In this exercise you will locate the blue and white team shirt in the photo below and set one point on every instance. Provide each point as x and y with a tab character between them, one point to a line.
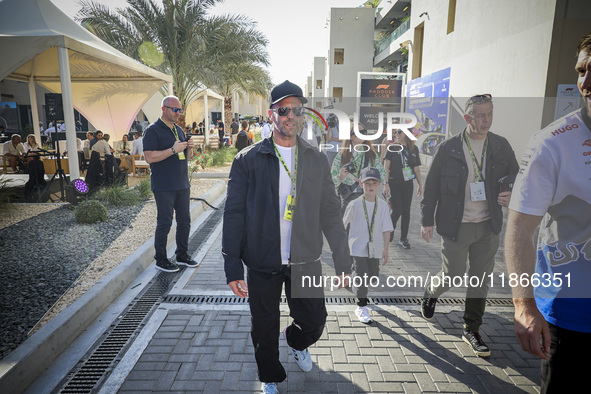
554	181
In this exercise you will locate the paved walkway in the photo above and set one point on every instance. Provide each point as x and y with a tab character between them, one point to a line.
189	347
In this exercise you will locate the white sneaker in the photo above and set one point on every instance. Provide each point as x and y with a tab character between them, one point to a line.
362	314
269	388
302	357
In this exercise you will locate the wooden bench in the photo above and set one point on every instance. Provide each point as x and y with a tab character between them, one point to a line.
138	162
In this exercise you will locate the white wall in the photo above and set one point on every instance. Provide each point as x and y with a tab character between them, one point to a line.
355	36
499	47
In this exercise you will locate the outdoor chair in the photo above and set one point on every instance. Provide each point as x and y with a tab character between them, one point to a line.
138	163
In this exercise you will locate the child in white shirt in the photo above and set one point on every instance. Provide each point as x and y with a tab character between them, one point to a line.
369	236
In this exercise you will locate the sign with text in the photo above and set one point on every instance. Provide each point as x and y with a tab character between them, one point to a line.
381	91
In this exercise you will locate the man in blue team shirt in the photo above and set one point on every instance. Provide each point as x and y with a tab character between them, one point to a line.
550	283
167	150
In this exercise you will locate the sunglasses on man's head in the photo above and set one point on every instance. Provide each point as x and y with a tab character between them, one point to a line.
479	98
284	111
175	110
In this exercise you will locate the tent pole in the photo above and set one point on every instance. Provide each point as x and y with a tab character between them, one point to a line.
68	104
34	109
206	118
170	89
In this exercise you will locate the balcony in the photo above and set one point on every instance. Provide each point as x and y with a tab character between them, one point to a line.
385	42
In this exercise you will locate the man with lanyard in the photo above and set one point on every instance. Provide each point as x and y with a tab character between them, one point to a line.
167	150
551	295
462	192
280	202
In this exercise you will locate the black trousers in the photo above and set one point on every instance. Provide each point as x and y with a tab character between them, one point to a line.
167	203
566	372
364	266
400	200
309	318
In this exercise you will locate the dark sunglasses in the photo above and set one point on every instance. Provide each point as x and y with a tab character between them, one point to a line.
479	98
175	110
284	111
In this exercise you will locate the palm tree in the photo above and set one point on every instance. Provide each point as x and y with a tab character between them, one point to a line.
242	76
178	38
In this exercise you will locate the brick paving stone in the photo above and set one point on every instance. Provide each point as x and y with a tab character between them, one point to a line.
378	387
411	388
360	381
165	380
373	374
424	381
186	371
338	354
452	387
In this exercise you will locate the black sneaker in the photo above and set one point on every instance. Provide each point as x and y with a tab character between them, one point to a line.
185	259
475	341
166	265
428	307
404	243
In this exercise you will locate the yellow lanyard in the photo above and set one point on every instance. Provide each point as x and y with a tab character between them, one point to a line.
373	217
295	169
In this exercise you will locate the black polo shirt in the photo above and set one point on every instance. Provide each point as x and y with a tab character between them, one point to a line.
397	160
171	173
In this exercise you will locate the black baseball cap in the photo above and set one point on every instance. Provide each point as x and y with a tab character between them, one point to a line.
284	90
370	173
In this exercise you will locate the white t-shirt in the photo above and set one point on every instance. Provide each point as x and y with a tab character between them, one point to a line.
554	181
10	148
284	191
266	131
359	232
138	146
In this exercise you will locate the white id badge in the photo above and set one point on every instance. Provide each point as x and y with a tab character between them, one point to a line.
407	173
477	192
371	250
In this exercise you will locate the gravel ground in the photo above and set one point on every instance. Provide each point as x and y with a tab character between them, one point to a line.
48	260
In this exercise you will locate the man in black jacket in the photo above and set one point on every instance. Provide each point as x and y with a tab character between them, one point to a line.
280	201
463	194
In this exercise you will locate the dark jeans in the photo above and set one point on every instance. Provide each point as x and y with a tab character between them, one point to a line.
365	266
309	317
400	200
167	203
566	372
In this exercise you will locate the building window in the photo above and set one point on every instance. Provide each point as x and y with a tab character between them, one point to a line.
337	93
417	52
319	84
339	56
451	16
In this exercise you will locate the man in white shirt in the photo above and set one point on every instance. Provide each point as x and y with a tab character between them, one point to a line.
138	146
101	145
14	150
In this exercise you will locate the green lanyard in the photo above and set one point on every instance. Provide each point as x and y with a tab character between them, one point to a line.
295	170
373	217
173	129
477	167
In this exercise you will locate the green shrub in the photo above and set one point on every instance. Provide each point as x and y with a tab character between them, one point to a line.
119	195
90	211
223	156
144	188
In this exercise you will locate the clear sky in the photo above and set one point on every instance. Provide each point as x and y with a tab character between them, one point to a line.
295	29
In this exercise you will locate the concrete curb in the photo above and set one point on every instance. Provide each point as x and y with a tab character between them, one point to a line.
27	362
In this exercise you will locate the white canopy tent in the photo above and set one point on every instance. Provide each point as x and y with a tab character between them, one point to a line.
40	44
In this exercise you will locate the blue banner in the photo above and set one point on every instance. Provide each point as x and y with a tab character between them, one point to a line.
428	99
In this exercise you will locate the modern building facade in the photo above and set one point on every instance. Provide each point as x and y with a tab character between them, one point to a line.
522	52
